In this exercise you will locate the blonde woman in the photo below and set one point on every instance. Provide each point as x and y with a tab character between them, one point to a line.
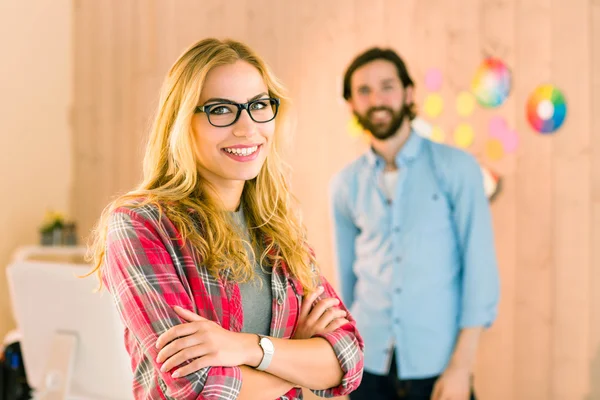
207	260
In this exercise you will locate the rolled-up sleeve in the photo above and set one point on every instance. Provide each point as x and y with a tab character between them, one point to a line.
348	347
476	240
144	283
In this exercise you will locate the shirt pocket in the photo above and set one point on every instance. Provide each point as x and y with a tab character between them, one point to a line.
431	237
434	214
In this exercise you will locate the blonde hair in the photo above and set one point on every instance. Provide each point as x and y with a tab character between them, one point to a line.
172	181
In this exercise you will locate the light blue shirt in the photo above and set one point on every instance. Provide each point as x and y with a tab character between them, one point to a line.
417	269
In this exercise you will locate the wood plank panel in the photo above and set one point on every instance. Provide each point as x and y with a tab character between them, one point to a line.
572	194
496	26
535	189
87	165
594	286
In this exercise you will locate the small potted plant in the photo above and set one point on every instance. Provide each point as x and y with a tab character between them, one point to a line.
51	230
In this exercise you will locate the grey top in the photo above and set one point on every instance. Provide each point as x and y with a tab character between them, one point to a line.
257	296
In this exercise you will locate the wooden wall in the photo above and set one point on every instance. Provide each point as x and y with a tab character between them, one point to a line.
36	81
546	342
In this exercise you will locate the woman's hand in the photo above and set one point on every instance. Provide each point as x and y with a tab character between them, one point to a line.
324	317
203	342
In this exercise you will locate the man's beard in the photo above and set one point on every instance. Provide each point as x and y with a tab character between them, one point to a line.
388	130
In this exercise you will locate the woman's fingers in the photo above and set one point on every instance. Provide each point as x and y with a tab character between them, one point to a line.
327	318
188	315
320	308
196	365
176	346
308	301
187	354
178	331
336	324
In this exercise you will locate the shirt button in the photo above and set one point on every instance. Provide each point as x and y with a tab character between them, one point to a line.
280	301
397	229
396	321
388	202
398	259
397	290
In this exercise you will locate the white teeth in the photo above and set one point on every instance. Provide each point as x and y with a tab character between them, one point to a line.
242	152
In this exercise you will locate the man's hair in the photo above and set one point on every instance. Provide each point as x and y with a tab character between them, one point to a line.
373	54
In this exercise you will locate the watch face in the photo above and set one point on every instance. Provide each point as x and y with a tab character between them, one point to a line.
267	345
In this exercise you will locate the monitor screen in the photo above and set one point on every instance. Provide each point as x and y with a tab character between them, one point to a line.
49	297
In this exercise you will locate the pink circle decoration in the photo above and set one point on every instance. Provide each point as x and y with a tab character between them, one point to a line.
433	80
510	141
497	126
499	129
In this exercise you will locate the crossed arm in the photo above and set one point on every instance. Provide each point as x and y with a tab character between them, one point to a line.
146	286
304	361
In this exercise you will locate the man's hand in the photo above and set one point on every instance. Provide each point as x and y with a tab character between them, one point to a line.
454	384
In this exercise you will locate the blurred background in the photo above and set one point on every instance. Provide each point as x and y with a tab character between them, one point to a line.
80	79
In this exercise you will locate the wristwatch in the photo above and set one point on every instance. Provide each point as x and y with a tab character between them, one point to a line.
268	350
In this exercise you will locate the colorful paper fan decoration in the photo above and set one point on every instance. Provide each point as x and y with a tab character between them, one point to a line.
491	84
546	109
492	183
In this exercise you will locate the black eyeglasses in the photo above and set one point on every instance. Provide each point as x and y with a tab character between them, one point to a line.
227	113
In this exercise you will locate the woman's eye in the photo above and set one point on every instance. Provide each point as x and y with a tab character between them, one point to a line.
258	105
220	110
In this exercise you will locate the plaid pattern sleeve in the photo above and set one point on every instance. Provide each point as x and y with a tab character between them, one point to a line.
146	283
348	347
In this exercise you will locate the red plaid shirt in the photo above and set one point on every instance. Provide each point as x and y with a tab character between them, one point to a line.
149	270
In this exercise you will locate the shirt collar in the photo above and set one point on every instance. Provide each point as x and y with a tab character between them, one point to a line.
406	155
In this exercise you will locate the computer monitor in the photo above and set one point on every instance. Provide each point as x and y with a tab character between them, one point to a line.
71	336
